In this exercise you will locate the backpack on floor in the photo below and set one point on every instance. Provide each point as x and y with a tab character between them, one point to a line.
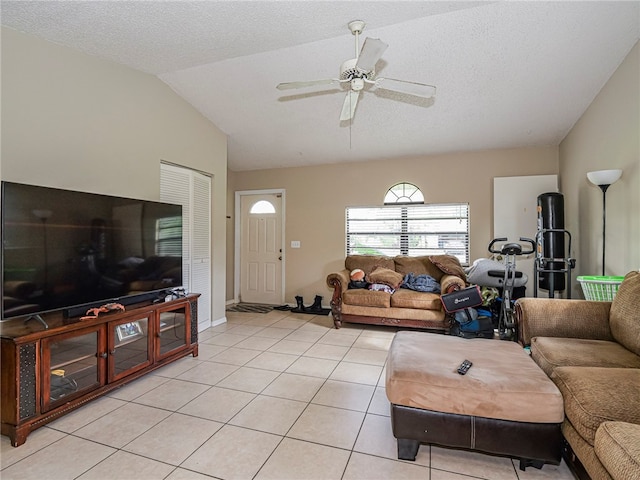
472	323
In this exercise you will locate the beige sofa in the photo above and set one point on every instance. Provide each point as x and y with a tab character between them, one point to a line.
591	351
404	307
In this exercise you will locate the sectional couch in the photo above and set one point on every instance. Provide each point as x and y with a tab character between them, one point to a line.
591	351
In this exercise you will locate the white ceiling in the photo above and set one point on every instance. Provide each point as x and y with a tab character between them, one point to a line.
508	74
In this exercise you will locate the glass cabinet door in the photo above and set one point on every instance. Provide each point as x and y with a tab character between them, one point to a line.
172	332
71	365
129	347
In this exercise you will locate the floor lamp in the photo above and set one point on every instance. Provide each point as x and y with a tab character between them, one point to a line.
603	179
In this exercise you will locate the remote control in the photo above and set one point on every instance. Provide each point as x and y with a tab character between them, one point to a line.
464	367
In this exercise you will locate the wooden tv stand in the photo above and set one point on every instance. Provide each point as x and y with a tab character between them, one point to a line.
49	372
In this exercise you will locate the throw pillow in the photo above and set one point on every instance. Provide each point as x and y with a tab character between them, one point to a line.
448	264
386	277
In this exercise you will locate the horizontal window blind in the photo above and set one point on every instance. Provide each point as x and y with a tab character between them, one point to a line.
413	230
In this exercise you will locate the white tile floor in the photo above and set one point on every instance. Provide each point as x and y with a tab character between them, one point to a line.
270	396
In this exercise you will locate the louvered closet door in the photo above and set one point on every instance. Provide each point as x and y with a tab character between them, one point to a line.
201	243
192	190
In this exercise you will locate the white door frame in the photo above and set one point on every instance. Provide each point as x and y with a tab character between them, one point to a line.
236	262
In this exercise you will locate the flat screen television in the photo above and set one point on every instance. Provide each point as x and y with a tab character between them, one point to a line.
70	251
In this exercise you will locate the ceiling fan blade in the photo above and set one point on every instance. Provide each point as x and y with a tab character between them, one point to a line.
349	105
403	86
371	52
312	83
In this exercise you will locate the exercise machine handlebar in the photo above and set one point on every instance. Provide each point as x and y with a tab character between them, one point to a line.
512	248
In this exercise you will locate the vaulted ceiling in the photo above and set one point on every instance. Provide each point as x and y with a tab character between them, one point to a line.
508	74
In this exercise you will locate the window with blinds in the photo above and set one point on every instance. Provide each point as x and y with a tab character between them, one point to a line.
412	230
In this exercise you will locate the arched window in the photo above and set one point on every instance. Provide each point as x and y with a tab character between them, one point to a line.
405	225
403	193
262	206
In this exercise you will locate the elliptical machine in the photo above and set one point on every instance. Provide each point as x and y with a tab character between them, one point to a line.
506	319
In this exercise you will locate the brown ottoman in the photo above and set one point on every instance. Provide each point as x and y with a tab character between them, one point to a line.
505	404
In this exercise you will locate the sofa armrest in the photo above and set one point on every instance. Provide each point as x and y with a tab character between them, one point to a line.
340	279
548	317
450	283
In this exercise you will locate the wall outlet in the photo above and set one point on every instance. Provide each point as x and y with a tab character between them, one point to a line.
295	243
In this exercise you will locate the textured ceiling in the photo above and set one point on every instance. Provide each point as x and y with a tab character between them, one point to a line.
508	74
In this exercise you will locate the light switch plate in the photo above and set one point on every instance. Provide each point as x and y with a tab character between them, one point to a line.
295	243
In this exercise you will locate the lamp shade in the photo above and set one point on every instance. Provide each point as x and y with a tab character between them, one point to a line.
604	177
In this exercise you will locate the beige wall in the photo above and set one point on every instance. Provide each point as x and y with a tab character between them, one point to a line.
606	136
75	121
316	198
230	235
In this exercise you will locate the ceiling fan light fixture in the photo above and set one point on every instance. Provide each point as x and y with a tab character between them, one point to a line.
357	84
349	70
359	72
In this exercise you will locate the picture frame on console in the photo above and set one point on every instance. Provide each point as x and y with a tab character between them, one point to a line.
130	330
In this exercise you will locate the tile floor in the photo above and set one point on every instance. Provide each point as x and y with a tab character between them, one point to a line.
270	396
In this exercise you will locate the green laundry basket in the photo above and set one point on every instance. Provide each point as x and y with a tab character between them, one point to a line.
600	288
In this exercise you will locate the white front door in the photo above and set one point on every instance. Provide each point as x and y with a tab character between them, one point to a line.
261	248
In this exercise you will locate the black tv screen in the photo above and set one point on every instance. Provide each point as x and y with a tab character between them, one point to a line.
64	249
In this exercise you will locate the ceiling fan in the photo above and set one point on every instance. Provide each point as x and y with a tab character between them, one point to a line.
358	73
